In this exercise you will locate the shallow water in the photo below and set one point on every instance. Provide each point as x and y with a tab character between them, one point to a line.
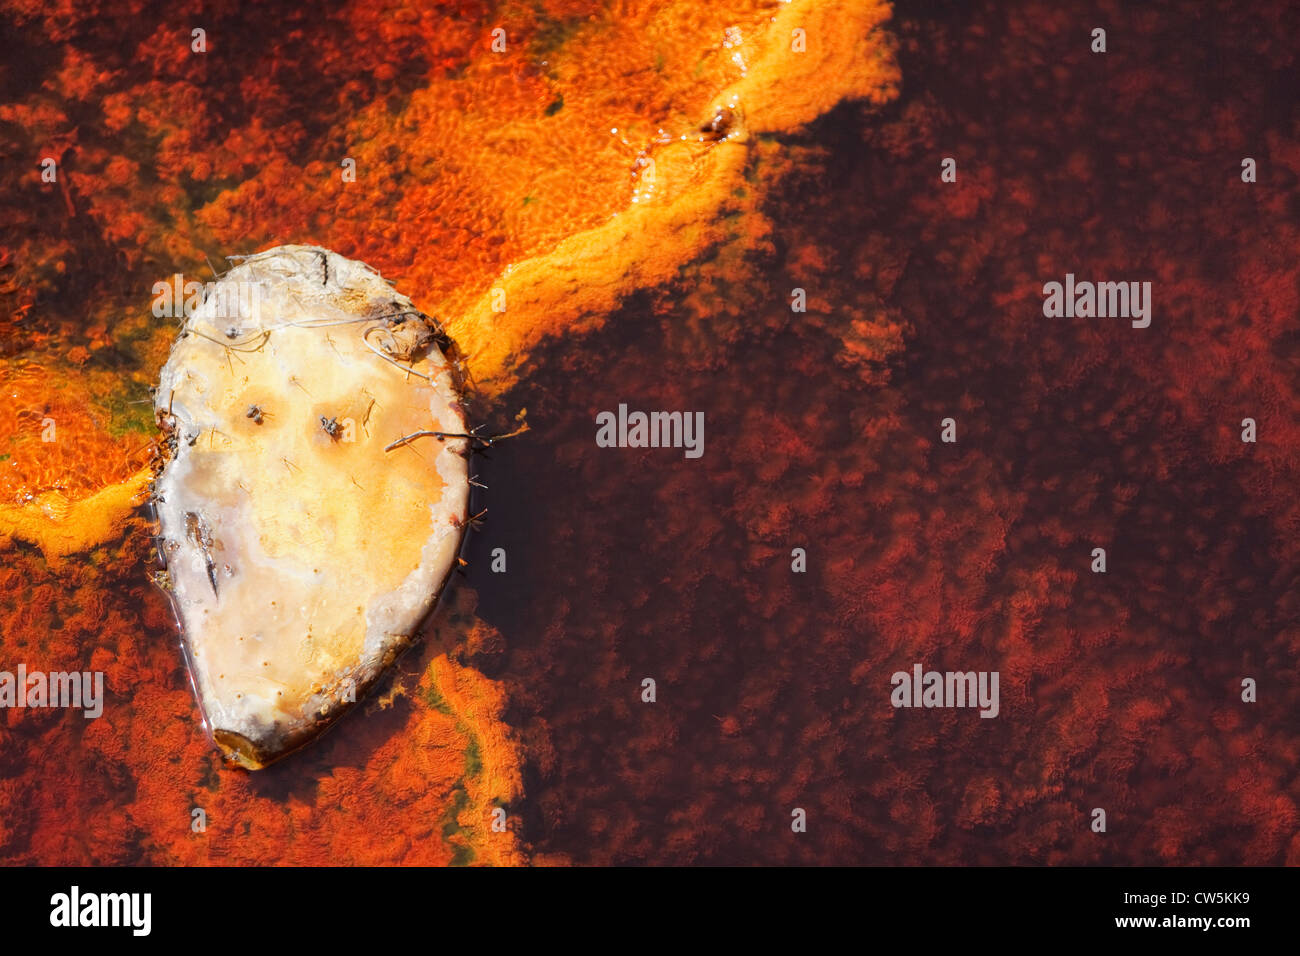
822	432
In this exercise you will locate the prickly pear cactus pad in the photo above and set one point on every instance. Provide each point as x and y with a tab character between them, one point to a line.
304	540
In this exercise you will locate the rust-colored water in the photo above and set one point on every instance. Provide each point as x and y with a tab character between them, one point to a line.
1121	691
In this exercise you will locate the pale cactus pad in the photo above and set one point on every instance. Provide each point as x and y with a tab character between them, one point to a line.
304	542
